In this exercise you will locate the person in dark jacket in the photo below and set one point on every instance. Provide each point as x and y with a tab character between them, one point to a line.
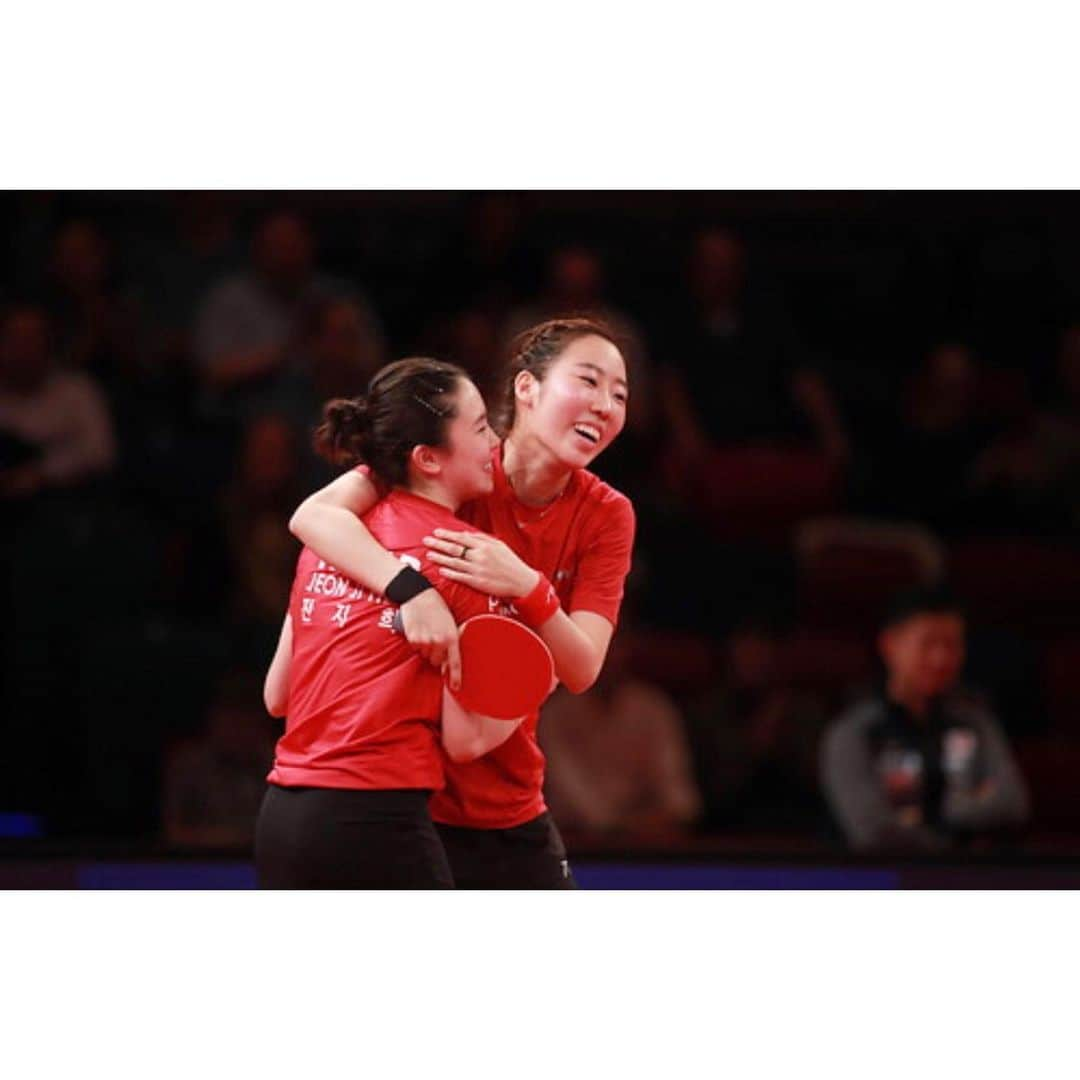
923	766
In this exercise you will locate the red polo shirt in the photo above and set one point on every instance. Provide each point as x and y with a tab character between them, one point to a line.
582	542
364	708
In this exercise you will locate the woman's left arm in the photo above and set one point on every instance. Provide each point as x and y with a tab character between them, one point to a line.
578	642
467	736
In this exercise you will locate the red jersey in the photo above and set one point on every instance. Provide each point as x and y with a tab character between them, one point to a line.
364	708
582	543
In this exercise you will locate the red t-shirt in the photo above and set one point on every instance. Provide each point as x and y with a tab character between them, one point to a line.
582	542
364	708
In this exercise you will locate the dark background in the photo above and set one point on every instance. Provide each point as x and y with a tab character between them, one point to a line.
142	604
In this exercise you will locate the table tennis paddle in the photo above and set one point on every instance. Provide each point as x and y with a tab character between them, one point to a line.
506	669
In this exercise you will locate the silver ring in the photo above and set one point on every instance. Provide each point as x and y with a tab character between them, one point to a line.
464	552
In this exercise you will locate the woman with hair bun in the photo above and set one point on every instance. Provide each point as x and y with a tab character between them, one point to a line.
559	552
347	801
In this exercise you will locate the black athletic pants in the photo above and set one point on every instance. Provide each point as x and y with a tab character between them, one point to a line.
331	838
529	856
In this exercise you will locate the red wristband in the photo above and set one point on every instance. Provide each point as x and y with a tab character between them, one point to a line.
536	607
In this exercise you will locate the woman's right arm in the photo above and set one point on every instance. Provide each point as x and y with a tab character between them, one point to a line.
329	523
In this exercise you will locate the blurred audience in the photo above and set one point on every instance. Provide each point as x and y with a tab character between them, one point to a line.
250	326
943	430
55	430
734	371
617	756
755	738
256	508
94	322
214	783
1039	468
922	766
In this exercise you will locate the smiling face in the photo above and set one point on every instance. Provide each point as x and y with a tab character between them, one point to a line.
578	407
464	462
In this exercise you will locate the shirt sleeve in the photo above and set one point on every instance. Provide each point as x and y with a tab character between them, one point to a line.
605	561
89	446
856	798
1002	799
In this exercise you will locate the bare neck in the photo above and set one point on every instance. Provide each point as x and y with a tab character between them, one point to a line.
916	704
434	490
535	476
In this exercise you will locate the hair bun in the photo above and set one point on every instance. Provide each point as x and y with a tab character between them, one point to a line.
343	435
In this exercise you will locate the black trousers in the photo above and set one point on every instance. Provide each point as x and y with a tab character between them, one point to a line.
529	856
329	838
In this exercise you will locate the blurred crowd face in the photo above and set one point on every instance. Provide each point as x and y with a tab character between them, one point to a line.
577	278
474	344
268	465
493	223
751	659
339	362
946	388
80	258
716	272
24	351
924	654
579	407
284	252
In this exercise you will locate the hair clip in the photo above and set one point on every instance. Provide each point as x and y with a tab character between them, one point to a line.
427	405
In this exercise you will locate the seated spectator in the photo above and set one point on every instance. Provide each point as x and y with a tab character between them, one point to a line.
942	432
617	756
250	326
1039	470
755	738
733	372
55	430
213	784
921	766
256	509
94	321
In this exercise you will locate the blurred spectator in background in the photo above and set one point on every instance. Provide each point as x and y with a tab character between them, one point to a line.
734	372
251	325
334	358
617	756
177	260
755	738
55	440
257	506
576	285
1039	468
94	323
215	782
943	431
483	262
470	339
922	766
55	430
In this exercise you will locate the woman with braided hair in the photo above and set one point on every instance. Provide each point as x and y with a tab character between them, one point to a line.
558	549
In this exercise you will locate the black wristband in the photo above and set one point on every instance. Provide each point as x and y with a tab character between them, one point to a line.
405	585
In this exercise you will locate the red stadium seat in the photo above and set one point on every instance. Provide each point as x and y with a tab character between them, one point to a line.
1052	770
1061	684
1028	585
762	493
849	569
833	666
